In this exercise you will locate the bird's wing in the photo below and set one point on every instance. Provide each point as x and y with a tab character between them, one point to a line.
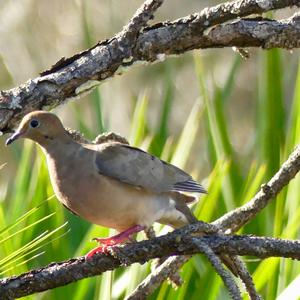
139	168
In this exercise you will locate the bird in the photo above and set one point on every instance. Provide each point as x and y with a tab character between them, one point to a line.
111	184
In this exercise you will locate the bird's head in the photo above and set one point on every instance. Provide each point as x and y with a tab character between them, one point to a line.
39	126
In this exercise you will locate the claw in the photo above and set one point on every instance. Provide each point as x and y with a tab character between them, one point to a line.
99	249
113	240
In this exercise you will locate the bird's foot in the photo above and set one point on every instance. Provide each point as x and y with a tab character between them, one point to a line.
99	249
106	243
120	237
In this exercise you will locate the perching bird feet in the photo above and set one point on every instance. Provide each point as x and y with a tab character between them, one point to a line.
106	243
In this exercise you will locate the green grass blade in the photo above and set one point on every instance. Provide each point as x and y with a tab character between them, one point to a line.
271	114
161	134
139	121
187	137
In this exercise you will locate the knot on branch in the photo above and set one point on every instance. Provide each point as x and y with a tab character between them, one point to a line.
267	189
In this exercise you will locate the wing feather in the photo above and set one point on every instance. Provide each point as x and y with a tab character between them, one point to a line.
189	186
139	168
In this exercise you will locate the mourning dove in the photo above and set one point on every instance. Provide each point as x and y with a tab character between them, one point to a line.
110	184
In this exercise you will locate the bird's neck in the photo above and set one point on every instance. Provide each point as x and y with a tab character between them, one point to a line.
59	147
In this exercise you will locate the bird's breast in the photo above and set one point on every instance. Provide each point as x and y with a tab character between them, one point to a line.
100	199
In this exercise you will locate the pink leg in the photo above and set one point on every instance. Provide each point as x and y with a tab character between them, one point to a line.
114	240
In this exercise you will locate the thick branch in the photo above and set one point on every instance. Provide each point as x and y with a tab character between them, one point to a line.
77	75
59	274
186	34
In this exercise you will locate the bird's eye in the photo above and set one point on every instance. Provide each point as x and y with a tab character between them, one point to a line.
34	123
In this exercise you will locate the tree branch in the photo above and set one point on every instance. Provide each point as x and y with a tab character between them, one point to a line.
246	278
216	262
157	276
72	77
231	222
237	218
59	274
77	75
139	20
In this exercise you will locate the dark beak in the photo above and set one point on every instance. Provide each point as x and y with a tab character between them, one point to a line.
14	137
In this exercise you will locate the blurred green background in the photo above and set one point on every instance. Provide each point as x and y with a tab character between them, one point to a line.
229	122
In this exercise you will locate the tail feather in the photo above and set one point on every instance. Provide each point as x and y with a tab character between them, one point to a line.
189	186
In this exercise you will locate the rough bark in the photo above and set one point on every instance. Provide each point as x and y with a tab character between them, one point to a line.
177	242
237	218
72	77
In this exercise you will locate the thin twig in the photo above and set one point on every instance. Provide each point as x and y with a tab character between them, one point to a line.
127	38
140	19
237	218
217	264
157	276
246	278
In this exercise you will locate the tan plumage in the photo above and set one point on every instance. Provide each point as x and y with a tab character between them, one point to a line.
110	184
